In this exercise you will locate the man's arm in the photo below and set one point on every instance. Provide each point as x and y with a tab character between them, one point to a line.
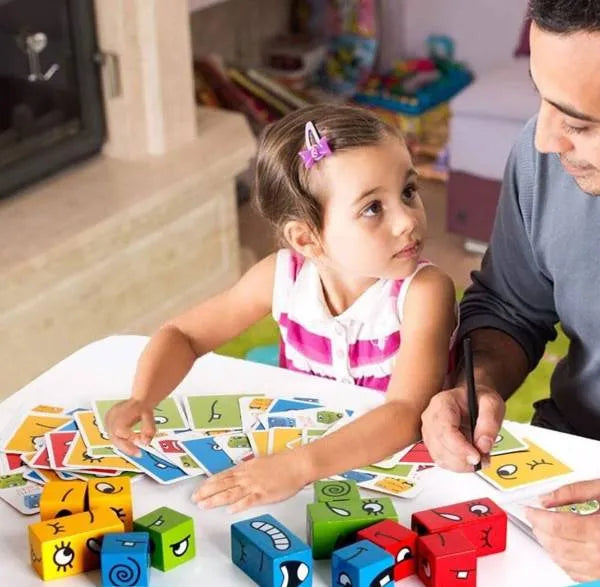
508	311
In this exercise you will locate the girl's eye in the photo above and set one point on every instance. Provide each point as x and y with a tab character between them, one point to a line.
373	209
410	192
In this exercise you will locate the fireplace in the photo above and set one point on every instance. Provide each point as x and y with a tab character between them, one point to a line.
51	111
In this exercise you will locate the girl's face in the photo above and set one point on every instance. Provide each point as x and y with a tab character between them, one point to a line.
374	221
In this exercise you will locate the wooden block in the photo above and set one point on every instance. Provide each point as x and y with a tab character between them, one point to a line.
362	564
113	493
71	544
125	559
330	490
398	541
333	524
481	521
446	559
172	539
62	498
270	554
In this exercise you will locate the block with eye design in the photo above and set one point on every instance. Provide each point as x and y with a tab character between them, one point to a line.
126	559
333	524
330	490
362	564
398	541
70	545
172	539
481	521
446	559
113	493
62	498
270	554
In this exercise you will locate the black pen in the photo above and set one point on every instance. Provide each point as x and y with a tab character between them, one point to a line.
471	395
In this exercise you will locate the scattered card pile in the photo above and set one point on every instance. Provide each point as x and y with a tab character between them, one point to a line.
206	434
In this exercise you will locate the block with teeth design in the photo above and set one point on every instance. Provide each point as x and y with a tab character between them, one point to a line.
172	539
333	524
71	544
362	564
62	498
398	541
113	493
126	559
270	554
446	559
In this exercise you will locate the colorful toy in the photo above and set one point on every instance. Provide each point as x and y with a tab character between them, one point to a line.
113	493
62	498
480	520
446	559
398	541
362	564
14	480
171	536
70	545
330	490
333	524
125	559
270	554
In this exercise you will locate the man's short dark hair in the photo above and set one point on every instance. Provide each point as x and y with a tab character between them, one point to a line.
566	16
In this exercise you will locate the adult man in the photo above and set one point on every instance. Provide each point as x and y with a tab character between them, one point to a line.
542	267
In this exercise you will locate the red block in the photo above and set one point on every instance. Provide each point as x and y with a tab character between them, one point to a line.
399	541
481	521
446	559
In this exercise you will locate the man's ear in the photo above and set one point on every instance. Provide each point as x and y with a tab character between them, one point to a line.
302	238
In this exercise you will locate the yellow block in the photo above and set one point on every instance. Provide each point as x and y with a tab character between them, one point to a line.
62	498
70	545
113	493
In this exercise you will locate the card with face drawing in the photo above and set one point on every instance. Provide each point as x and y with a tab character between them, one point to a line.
21	494
88	428
77	457
28	434
168	415
517	470
507	442
213	412
155	466
208	454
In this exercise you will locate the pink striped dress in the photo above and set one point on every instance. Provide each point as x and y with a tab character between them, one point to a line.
358	346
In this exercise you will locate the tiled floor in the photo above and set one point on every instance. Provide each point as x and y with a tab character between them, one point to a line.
442	248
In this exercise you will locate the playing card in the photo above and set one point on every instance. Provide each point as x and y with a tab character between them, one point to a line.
279	438
208	454
21	494
516	470
155	466
404	487
251	407
213	412
168	415
88	428
416	454
235	445
28	434
507	442
77	457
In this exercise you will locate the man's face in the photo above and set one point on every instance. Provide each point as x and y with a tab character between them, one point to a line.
566	71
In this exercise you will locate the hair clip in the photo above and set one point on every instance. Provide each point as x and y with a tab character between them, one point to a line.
317	147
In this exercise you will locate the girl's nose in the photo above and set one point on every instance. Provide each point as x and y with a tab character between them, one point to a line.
403	222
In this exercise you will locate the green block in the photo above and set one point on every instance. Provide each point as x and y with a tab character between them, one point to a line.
330	490
172	540
333	524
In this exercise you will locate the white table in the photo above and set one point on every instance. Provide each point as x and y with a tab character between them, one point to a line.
105	369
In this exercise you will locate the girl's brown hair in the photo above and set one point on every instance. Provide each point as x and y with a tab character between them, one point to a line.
281	187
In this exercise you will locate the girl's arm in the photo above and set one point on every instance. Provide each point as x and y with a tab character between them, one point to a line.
421	365
171	352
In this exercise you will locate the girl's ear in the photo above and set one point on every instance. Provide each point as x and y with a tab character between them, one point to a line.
302	238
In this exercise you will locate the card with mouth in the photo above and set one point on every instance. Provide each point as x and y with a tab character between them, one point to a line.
155	466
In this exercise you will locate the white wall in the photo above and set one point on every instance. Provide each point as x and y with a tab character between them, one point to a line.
485	32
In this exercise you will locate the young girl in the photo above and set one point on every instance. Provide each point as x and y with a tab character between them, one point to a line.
353	299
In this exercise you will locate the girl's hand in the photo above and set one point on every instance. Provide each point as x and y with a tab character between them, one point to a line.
120	420
256	482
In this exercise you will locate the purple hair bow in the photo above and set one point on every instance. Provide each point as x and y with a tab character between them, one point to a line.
317	147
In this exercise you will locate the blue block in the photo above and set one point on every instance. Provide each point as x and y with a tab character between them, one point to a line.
362	564
125	559
270	554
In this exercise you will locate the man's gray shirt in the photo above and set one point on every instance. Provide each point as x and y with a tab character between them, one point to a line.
542	266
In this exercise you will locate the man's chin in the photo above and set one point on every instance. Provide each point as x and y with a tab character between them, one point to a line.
589	185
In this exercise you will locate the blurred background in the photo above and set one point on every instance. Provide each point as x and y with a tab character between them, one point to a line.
128	130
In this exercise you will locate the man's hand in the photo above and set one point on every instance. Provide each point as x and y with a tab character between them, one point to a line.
445	427
120	420
259	481
572	540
